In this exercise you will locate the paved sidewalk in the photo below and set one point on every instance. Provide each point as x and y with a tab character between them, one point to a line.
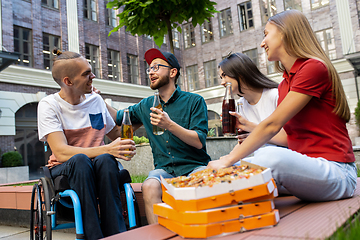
19	233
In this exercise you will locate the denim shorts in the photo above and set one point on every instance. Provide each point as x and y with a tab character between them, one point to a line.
155	174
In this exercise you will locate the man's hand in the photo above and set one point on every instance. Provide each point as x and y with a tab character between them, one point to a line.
160	118
119	148
95	90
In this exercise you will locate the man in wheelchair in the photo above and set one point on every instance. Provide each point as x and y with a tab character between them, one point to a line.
74	122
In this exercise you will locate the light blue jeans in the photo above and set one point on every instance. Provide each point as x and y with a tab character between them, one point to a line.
308	178
155	174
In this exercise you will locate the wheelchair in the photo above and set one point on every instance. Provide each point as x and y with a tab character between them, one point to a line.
52	201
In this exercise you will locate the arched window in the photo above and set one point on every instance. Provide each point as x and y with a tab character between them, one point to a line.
27	140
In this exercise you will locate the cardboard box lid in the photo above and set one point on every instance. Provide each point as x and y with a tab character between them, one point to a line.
216	214
191	193
229	198
213	229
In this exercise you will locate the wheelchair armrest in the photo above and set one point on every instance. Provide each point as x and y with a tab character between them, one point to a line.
124	176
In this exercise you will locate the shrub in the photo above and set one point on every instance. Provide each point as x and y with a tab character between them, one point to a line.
139	140
12	159
357	114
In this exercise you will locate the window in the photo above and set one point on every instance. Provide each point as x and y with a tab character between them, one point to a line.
23	45
253	55
319	3
210	71
189	35
192	75
49	43
225	23
147	36
292	4
110	17
245	16
133	68
50	3
268	9
207	31
176	38
327	42
164	40
271	67
92	55
90	9
113	65
147	79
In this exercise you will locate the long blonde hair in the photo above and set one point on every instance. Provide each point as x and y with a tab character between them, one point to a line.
300	41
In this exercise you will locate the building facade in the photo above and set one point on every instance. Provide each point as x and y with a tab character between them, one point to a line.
32	28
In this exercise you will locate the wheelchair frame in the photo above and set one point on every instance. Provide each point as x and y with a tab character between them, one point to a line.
44	205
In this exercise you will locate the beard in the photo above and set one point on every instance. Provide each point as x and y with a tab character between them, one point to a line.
161	81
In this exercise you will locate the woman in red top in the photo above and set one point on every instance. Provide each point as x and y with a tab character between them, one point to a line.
312	108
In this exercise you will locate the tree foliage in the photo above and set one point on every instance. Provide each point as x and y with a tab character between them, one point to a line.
157	18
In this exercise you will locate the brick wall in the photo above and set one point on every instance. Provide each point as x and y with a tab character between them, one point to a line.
7	143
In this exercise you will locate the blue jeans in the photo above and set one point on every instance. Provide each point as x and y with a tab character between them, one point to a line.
155	174
92	179
308	178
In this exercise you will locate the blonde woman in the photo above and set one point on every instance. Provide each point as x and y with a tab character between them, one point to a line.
313	111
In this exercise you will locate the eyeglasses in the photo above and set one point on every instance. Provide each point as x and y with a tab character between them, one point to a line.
155	68
223	75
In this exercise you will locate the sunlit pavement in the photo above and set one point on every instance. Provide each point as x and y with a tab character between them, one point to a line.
19	233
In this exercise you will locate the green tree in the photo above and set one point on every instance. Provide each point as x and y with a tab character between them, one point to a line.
157	18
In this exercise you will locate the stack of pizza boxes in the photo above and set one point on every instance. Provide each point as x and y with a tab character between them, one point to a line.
223	208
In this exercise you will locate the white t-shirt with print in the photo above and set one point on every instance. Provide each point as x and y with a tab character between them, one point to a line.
84	124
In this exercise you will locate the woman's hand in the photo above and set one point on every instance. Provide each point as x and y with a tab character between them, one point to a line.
223	162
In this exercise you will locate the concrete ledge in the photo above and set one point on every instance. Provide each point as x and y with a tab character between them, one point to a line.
14	174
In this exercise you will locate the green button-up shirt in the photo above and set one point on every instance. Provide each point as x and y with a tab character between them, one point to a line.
189	110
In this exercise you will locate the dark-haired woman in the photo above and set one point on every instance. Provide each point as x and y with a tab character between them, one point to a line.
258	94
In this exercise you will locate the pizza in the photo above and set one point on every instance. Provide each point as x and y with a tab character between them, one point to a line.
209	177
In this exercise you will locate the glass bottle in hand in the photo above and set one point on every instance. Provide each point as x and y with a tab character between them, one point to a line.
240	110
228	121
157	104
126	128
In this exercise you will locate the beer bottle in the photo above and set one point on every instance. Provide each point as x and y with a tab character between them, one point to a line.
157	104
126	128
228	121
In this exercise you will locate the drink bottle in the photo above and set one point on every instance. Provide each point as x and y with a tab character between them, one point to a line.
126	128
228	121
157	104
240	110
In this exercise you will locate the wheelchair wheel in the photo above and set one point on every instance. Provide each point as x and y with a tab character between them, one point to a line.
36	220
47	197
39	211
137	213
125	212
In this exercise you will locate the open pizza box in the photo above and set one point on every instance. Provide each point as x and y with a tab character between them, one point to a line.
216	214
256	193
192	193
221	228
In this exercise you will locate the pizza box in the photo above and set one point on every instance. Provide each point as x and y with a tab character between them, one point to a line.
191	193
214	215
213	229
225	199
